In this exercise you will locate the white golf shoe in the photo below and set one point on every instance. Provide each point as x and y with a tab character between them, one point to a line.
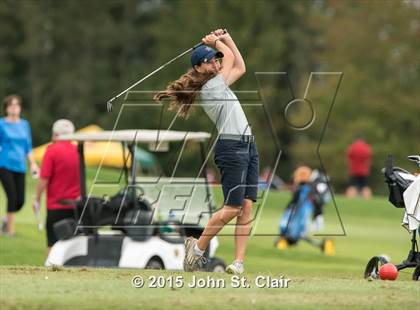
192	261
235	268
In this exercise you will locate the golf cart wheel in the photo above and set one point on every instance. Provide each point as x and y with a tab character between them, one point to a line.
216	265
416	273
155	263
373	266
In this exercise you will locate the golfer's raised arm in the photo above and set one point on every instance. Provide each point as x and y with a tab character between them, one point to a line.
239	63
239	67
228	58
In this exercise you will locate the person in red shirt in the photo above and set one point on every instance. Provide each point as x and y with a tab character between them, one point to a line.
60	176
359	158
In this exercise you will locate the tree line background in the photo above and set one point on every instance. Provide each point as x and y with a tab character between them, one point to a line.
66	58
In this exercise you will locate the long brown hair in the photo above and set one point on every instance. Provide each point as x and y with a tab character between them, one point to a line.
183	91
8	101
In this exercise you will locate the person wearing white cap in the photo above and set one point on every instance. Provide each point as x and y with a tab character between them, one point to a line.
60	176
62	127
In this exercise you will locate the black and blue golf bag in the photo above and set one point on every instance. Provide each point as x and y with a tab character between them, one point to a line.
298	215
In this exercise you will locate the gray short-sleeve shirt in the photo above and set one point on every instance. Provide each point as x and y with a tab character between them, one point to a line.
223	107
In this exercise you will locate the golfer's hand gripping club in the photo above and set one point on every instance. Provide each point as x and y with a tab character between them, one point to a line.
109	102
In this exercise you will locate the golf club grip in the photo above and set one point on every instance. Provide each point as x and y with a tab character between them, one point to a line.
201	43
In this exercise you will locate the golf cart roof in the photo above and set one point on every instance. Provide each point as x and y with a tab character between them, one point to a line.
137	135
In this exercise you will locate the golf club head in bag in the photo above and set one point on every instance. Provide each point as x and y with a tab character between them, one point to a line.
415	158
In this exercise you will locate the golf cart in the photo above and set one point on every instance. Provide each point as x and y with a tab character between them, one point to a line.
144	224
400	181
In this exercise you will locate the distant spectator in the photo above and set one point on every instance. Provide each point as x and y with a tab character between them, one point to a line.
211	176
60	176
264	180
359	157
15	147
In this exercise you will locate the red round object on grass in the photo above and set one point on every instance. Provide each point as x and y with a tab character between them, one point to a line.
388	272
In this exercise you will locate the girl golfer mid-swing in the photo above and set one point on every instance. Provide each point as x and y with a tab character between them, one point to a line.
235	154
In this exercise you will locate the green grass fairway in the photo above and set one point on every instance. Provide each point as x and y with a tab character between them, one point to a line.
39	288
372	228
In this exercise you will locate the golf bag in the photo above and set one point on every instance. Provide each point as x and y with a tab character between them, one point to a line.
398	181
124	211
305	212
115	211
320	196
296	218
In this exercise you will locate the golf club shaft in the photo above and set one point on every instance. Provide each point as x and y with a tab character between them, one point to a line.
37	213
39	222
109	103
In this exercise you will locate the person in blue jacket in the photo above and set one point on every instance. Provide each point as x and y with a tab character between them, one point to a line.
15	147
